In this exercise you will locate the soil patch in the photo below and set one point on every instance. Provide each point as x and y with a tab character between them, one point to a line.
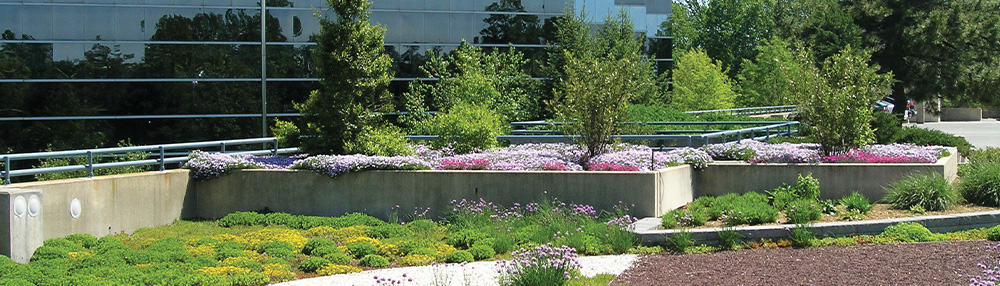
934	263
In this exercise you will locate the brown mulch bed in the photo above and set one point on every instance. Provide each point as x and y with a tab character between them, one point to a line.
935	263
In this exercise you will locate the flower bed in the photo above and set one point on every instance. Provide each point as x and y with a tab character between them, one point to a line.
523	157
758	152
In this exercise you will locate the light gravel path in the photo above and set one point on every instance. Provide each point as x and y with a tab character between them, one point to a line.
476	273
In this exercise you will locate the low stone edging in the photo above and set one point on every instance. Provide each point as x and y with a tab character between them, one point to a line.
648	228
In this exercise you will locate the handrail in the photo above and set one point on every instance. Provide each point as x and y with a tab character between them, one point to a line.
157	152
749	110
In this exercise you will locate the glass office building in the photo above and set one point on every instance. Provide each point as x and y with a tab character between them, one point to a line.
196	64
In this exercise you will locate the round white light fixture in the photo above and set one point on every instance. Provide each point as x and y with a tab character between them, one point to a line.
34	205
20	206
75	208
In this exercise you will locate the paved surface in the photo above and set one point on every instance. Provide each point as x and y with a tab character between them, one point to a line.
981	134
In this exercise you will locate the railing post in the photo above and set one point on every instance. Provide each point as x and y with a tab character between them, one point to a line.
90	164
275	152
162	159
222	147
6	170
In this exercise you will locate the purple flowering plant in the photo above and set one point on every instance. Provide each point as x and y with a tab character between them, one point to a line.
205	165
542	265
991	271
759	152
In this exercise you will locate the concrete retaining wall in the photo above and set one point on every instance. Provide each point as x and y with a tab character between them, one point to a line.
961	114
99	206
836	180
376	192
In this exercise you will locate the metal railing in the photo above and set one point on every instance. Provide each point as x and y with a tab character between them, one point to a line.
158	153
749	110
766	130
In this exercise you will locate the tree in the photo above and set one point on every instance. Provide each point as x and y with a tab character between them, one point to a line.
768	80
935	47
701	83
727	30
354	79
823	26
595	94
840	108
510	29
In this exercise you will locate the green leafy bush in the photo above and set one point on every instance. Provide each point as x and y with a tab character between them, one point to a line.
361	249
338	258
375	260
993	233
750	208
286	132
803	211
242	218
768	80
981	182
277	249
482	252
887	127
83	239
55	248
806	187
729	239
681	217
931	191
927	137
311	264
459	256
465	238
316	243
680	241
701	83
781	197
383	140
908	232
465	127
856	202
325	250
388	231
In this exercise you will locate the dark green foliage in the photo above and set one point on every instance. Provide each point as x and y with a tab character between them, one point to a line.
279	219
503	243
908	232
338	258
781	197
981	179
15	282
83	239
750	208
382	140
729	239
277	249
361	249
375	260
204	241
108	243
993	233
931	191
311	264
354	76
58	162
465	238
242	218
680	241
315	243
684	218
325	250
806	187
857	202
803	211
408	246
169	244
728	30
927	137
801	235
460	256
887	126
56	248
307	222
482	252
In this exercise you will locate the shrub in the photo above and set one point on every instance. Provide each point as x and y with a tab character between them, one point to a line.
856	202
701	83
767	81
927	137
465	127
315	243
416	260
83	239
801	235
542	265
242	218
981	183
929	191
311	264
460	256
374	260
482	252
388	231
465	238
277	248
729	239
750	208
325	250
384	140
338	258
806	187
887	127
337	269
993	233
803	211
908	232
361	249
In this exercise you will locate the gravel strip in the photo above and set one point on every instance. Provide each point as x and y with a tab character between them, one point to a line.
936	263
476	273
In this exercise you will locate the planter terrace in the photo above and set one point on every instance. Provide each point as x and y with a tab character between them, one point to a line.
836	179
33	212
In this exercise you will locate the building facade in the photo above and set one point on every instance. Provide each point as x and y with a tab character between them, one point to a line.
200	60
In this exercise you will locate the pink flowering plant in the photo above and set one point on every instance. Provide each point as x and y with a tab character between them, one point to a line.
760	152
542	265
